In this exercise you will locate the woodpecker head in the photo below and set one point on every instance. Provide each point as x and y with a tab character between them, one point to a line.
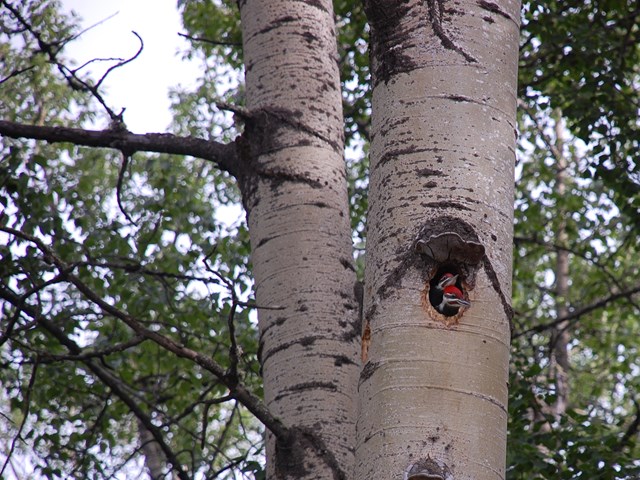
452	300
447	280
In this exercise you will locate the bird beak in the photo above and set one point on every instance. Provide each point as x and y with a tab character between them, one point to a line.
458	302
447	281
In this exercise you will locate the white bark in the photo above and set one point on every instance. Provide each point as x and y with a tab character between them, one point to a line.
295	193
433	397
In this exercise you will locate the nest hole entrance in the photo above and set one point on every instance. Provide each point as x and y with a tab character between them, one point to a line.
433	295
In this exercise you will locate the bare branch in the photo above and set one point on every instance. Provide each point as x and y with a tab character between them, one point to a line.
47	357
234	350
123	168
121	63
15	73
212	42
574	315
91	27
223	154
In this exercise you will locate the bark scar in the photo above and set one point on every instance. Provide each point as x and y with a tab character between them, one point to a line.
436	13
495	283
495	8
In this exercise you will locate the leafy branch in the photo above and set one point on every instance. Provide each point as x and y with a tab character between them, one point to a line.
577	313
236	390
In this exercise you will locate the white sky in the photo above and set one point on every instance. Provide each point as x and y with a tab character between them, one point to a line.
141	86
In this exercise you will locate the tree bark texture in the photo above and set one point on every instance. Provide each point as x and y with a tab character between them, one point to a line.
433	393
294	189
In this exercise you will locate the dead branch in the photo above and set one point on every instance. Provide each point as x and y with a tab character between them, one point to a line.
212	42
53	48
223	154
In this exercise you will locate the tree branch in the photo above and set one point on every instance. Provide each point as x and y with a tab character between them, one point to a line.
574	315
25	415
103	374
632	429
212	42
238	391
223	154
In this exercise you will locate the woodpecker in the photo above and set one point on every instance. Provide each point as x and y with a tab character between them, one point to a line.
446	280
446	297
451	301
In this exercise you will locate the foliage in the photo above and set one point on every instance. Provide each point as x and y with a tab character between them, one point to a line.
156	247
580	59
583	58
166	259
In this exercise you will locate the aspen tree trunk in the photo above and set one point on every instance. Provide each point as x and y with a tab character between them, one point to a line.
295	193
433	393
559	348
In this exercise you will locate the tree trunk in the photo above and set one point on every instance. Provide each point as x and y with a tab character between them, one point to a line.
433	392
559	344
295	194
154	459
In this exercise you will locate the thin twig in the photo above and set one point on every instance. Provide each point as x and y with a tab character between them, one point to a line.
123	168
207	40
25	414
16	72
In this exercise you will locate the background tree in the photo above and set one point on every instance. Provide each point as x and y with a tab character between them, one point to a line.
576	231
187	274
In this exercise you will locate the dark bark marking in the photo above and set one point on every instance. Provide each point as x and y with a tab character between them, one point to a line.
264	240
263	134
353	332
430	172
371	311
387	34
368	370
445	204
459	98
290	453
290	456
495	283
276	24
316	4
279	176
347	263
356	326
436	13
340	360
495	8
308	341
305	342
393	280
299	387
393	154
